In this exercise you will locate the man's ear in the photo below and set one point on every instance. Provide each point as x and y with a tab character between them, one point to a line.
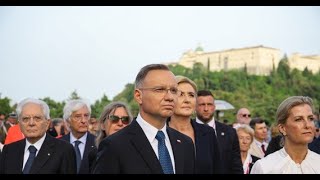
138	96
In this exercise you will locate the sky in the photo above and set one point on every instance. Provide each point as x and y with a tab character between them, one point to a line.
53	51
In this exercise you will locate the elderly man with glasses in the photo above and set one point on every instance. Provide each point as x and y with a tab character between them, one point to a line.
77	114
38	152
243	116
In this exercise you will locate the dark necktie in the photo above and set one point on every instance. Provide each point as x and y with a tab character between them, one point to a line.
263	149
78	154
164	156
29	162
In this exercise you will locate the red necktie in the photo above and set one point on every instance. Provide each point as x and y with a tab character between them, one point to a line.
263	150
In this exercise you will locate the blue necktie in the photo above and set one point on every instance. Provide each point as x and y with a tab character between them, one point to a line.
78	154
29	162
164	156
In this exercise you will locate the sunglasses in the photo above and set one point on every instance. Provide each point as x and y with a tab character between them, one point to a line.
115	119
246	115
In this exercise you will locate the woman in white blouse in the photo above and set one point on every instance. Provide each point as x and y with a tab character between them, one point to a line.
295	117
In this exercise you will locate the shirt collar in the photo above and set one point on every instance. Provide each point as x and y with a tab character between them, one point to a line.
37	145
149	130
83	139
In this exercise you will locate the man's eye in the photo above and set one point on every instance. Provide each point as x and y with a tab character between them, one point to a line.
159	89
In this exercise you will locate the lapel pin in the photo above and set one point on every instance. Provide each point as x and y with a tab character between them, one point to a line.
178	140
48	154
222	133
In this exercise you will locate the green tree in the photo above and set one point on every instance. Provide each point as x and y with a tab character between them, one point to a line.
56	108
74	95
5	106
97	107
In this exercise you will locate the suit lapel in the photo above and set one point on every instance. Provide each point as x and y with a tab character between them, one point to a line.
20	150
89	145
178	151
144	148
44	154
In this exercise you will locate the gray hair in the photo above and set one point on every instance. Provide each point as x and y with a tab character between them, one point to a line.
74	105
284	108
109	110
42	104
145	70
247	129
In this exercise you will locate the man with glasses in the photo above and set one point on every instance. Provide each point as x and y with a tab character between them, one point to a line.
38	152
148	145
76	113
243	116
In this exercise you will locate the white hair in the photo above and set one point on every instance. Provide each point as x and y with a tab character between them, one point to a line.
74	105
42	104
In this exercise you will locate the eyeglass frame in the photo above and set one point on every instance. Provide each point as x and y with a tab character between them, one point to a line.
162	90
79	118
115	121
246	115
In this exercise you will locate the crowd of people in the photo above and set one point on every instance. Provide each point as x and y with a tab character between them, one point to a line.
163	138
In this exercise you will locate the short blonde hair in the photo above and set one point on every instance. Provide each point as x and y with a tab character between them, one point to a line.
247	129
183	79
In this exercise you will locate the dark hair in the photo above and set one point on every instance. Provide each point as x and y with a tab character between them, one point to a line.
204	93
255	121
145	70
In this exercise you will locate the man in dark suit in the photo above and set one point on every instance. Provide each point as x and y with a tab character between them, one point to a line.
134	149
227	137
77	115
38	153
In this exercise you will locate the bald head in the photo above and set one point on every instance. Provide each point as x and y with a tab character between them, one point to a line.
243	116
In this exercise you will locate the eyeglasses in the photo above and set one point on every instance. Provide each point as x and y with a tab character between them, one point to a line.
163	90
27	119
78	117
115	119
246	115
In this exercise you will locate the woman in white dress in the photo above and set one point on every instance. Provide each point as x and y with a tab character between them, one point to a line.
295	117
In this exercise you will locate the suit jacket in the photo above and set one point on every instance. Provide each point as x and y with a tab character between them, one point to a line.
129	152
54	157
229	148
274	145
84	167
315	145
256	150
254	159
207	150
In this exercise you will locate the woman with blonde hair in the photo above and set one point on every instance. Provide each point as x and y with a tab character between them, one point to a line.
295	119
206	146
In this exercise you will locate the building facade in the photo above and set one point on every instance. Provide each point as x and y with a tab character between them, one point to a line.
258	60
300	62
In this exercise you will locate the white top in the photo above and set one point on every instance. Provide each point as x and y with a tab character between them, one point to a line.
151	132
246	164
280	162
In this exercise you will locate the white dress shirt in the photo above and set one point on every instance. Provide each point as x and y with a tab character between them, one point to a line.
83	141
37	145
280	162
151	132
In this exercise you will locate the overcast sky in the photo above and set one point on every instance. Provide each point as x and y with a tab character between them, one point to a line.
52	51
